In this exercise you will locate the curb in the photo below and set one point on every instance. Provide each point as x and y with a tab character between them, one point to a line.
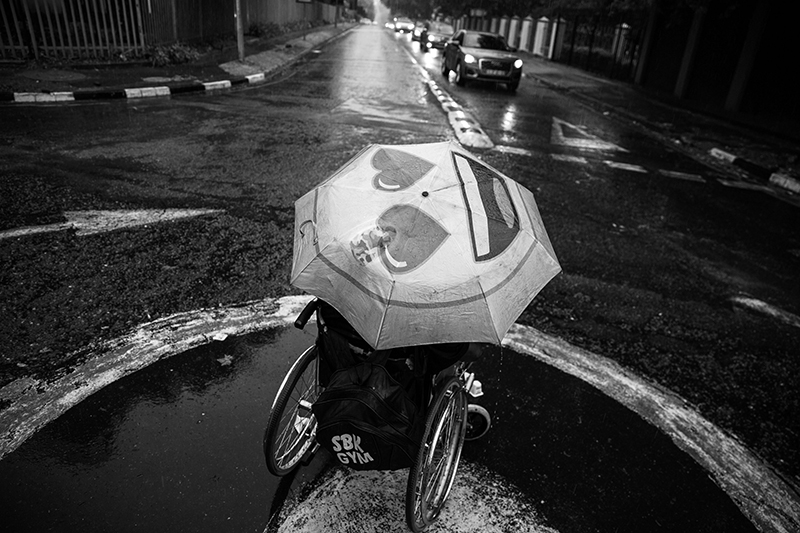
135	92
767	175
166	90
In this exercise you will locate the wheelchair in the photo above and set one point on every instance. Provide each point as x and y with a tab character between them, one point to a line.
290	435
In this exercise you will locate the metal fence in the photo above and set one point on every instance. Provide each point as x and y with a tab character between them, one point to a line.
609	49
110	28
70	28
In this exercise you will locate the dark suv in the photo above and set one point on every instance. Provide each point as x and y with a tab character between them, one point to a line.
478	55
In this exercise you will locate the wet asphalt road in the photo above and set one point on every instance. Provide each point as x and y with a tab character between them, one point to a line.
650	263
177	447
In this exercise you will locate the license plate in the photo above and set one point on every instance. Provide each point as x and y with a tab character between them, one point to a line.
495	72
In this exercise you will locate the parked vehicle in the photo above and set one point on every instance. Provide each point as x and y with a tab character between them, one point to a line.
477	55
437	34
403	25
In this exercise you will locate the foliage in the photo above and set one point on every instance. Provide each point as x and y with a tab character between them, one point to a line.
264	30
173	54
457	8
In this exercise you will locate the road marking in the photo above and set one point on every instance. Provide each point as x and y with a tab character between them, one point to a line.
570	158
468	131
681	175
480	501
583	140
513	150
762	495
744	185
91	222
32	403
767	309
626	166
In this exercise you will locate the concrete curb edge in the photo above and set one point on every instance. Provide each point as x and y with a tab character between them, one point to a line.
162	90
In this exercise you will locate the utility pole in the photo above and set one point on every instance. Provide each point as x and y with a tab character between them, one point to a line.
239	30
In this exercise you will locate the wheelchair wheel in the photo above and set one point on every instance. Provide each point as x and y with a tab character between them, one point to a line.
291	429
432	475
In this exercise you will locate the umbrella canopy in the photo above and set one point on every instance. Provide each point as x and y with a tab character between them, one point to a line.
422	244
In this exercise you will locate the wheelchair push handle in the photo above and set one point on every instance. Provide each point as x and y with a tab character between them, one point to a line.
305	314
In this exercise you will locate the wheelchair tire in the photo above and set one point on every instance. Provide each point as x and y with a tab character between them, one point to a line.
432	475
291	428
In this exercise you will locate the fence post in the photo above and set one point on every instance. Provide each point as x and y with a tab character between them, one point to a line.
538	42
513	32
503	30
30	30
557	45
525	36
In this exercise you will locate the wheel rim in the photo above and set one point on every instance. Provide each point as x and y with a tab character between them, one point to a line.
297	428
443	445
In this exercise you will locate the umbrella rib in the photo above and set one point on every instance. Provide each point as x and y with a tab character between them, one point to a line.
385	312
485	301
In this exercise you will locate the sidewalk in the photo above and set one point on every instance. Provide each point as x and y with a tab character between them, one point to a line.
757	154
217	69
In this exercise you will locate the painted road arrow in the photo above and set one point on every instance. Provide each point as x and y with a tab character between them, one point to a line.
91	222
568	134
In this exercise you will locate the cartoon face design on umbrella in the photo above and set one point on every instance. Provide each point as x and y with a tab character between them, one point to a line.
405	237
420	244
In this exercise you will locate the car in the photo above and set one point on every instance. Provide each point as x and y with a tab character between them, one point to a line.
419	28
479	55
437	34
403	25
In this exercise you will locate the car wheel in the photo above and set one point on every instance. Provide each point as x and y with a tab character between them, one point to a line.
460	74
445	70
512	86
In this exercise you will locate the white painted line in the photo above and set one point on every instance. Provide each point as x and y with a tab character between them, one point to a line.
467	130
767	309
481	501
735	184
570	158
681	175
626	166
33	403
513	150
44	97
785	181
147	92
720	154
584	140
91	222
764	497
215	85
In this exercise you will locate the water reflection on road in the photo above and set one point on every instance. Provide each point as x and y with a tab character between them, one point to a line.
174	447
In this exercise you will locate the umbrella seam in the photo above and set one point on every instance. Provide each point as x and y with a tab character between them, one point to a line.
420	305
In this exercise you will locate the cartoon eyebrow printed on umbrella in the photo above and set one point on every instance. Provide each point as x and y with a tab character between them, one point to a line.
398	170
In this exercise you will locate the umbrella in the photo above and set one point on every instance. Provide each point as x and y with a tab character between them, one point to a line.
422	244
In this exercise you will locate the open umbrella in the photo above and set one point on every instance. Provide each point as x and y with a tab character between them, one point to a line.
422	244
